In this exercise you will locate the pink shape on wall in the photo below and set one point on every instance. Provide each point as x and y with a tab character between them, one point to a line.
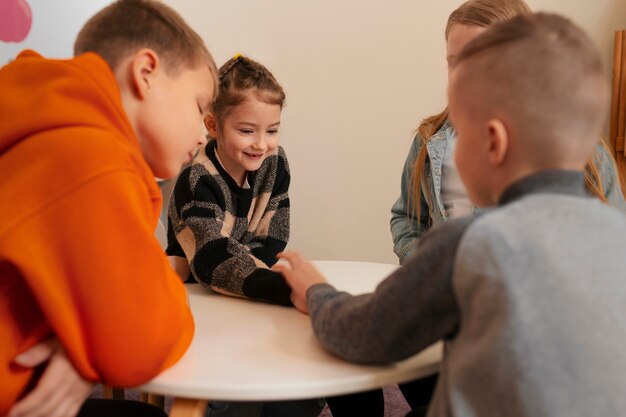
15	20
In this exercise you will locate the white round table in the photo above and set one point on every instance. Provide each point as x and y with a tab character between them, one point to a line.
250	351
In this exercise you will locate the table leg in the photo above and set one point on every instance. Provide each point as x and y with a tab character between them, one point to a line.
153	399
184	407
114	393
156	400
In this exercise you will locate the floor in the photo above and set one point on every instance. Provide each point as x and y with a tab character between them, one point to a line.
395	405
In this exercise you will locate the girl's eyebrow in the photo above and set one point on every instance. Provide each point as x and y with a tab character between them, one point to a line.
255	125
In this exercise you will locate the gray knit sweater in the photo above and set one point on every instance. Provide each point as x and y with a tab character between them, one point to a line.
529	298
230	234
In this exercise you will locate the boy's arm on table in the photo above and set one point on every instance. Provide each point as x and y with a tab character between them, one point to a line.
411	309
104	285
405	227
217	260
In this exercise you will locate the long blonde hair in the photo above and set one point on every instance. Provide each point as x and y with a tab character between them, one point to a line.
482	13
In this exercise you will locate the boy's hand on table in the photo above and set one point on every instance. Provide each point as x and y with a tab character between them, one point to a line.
60	392
300	274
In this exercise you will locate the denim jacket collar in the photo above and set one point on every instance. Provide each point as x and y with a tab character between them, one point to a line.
436	147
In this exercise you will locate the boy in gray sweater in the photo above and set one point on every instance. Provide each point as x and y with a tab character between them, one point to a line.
528	296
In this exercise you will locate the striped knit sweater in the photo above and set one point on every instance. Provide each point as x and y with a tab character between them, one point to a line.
231	235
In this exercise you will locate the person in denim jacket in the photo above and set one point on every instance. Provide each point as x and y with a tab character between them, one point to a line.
601	178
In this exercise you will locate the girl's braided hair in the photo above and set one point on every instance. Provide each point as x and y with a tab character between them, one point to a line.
239	77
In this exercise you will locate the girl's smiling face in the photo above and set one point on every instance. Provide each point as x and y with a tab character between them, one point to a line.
246	135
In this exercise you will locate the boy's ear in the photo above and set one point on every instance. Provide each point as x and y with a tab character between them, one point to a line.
145	65
211	125
498	141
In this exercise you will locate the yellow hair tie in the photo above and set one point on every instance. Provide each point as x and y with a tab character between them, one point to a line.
237	56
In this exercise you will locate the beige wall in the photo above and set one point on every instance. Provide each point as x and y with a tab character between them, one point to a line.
359	75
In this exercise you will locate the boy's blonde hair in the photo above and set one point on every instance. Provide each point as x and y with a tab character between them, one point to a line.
126	26
544	75
237	78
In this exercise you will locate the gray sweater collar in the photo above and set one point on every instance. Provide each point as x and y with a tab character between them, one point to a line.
553	181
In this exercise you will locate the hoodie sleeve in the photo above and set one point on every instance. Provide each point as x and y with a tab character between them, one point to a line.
103	283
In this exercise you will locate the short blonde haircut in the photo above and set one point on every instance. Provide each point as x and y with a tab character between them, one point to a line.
544	75
126	26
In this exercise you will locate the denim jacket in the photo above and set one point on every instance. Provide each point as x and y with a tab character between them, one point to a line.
405	227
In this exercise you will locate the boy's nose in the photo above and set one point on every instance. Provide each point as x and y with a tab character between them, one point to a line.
203	139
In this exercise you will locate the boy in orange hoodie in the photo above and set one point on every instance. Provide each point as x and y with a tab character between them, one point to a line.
81	143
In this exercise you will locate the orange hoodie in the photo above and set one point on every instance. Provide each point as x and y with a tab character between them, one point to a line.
78	209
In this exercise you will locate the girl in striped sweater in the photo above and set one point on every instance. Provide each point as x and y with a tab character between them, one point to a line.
229	210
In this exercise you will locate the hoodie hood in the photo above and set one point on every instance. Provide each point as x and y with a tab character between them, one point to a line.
39	94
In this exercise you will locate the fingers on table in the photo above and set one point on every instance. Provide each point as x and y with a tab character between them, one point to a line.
294	258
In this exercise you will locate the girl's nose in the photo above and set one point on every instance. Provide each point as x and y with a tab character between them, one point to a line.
260	142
